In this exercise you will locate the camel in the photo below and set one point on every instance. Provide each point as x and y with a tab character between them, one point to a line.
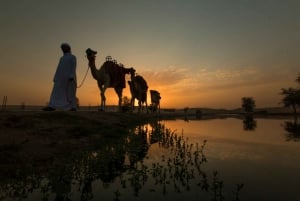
138	89
155	101
109	75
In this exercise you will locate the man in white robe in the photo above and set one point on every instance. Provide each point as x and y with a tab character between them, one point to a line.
63	94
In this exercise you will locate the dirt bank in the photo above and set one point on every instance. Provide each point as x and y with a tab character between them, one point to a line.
39	135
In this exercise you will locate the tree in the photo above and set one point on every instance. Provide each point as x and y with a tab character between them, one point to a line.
248	104
291	98
298	79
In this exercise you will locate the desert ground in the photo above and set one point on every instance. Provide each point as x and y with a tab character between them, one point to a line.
39	135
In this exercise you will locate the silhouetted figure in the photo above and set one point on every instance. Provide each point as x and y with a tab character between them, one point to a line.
63	94
110	75
155	101
138	89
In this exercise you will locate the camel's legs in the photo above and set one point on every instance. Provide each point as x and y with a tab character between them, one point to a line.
147	106
132	103
140	106
102	96
119	92
103	99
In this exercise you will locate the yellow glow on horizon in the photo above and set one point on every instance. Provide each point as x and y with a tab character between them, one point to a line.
179	88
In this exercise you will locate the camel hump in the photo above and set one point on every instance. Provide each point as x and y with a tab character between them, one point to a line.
116	73
141	81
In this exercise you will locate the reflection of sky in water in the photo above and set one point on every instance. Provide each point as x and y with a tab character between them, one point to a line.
268	131
227	138
263	159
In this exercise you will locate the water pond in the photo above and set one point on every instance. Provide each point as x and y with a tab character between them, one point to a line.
213	159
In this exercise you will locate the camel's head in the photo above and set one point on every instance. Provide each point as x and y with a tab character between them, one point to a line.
132	72
90	54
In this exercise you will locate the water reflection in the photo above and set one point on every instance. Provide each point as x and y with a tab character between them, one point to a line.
121	166
137	145
249	123
293	130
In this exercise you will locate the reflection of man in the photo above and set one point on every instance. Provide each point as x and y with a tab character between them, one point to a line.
60	179
63	94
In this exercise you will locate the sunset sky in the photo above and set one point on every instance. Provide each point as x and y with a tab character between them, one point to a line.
197	53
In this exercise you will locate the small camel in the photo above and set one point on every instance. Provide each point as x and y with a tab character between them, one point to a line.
109	75
155	101
138	89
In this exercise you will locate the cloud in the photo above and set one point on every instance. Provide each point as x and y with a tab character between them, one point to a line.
166	77
179	80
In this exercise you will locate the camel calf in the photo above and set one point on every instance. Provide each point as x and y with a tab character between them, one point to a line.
138	89
155	101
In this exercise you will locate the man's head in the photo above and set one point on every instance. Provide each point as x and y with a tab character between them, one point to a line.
65	47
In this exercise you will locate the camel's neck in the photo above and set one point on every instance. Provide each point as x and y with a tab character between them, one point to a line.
130	71
94	70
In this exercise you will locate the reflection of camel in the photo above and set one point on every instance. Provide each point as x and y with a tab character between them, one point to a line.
110	75
138	89
137	145
155	100
156	133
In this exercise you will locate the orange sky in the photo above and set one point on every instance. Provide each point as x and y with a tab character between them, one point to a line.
196	53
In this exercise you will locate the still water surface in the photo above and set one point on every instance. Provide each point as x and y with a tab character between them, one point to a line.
266	158
216	159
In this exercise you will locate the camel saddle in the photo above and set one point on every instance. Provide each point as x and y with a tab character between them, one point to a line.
116	73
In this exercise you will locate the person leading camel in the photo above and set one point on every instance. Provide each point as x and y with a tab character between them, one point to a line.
63	95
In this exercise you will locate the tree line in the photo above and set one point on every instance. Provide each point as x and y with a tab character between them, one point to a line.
291	99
